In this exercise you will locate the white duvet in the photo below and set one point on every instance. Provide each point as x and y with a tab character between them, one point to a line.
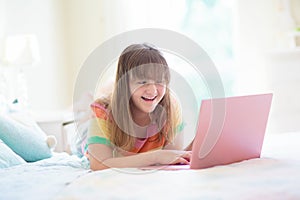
40	180
276	175
255	179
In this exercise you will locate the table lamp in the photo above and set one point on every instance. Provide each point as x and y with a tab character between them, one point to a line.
20	52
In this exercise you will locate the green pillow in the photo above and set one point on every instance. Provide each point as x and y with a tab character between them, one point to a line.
25	139
8	158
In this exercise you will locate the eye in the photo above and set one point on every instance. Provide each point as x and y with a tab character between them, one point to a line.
142	82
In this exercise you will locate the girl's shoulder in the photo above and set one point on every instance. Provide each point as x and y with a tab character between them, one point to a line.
100	108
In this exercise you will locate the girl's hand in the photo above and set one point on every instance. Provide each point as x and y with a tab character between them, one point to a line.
167	157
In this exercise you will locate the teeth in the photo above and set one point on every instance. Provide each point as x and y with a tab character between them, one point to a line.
149	98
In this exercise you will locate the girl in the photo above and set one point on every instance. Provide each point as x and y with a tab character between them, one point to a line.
140	123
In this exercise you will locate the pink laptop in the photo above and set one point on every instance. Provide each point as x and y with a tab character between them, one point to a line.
229	130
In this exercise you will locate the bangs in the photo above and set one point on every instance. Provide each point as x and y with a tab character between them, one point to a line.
152	71
143	62
149	64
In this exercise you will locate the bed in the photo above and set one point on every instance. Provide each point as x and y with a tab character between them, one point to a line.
43	179
276	175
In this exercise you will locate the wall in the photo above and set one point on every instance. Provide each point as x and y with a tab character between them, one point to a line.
295	6
43	18
2	19
67	32
265	61
84	31
254	35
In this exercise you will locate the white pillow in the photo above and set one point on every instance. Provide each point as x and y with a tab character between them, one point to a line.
8	157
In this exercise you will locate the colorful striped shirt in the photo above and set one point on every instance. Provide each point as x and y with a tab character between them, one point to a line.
100	129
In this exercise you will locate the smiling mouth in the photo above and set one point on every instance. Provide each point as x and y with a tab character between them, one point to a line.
149	99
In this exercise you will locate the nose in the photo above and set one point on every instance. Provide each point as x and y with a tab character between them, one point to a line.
151	88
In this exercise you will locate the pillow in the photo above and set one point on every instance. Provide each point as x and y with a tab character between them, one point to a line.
24	137
8	158
78	130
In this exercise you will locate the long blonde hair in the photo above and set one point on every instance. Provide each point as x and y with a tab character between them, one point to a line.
119	104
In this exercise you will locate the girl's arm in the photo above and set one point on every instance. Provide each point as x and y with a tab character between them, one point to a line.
101	157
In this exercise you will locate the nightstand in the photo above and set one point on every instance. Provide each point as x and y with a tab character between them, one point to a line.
51	122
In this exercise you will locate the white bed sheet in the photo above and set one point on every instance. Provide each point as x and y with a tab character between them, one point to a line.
276	175
255	179
40	180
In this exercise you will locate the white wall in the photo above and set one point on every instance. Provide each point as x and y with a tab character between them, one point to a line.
67	31
44	19
255	28
84	31
2	18
265	61
295	6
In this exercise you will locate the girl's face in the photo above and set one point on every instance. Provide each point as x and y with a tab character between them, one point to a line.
146	94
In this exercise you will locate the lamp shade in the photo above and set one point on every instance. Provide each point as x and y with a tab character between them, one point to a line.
21	50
